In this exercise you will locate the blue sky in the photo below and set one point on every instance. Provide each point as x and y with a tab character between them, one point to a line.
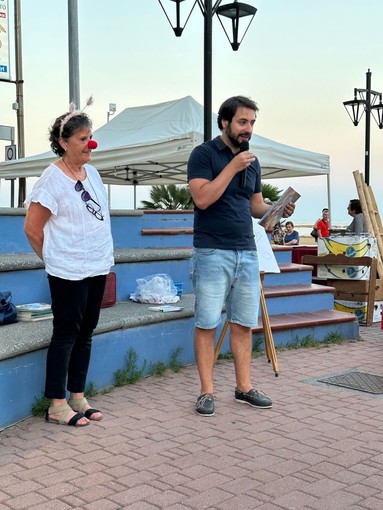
299	60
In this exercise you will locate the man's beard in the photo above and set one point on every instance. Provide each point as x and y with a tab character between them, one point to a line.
234	141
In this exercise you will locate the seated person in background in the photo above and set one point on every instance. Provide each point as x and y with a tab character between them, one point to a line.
291	236
358	225
277	237
323	224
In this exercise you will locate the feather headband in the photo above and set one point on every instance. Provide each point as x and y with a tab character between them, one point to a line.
73	112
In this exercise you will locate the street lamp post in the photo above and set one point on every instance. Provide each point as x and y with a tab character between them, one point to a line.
233	12
366	104
73	53
19	100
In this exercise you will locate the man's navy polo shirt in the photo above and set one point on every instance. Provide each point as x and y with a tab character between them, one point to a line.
226	224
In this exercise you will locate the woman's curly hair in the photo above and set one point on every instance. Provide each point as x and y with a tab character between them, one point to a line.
73	124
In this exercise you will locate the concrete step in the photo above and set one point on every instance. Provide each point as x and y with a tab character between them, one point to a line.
287	327
171	237
167	219
299	298
166	231
126	228
283	254
24	273
290	274
25	276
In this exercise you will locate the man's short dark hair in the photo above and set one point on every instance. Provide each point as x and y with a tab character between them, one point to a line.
355	205
229	108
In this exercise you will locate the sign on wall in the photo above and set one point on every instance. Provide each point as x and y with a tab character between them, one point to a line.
4	40
10	152
7	133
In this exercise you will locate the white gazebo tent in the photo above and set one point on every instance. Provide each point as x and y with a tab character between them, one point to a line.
148	145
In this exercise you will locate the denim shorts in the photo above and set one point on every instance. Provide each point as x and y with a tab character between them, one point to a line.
225	277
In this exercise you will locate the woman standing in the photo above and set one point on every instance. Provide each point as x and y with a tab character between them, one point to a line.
68	226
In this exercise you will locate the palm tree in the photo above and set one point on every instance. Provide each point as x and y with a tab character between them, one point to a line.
270	192
169	196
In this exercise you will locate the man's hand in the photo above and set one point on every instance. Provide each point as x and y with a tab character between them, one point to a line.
289	210
242	160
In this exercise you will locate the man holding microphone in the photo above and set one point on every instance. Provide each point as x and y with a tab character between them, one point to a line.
225	182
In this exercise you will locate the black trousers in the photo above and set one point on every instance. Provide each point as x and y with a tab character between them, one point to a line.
76	310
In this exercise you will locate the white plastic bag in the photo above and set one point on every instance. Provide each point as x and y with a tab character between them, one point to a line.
157	288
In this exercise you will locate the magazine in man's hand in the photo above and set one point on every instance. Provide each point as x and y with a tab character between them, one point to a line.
275	213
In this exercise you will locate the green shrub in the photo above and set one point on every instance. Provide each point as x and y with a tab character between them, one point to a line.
175	364
130	374
157	369
40	406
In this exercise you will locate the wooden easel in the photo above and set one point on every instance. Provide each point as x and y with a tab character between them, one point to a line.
371	216
269	342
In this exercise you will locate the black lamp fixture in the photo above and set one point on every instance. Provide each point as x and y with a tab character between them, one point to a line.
378	110
364	102
177	28
233	12
354	108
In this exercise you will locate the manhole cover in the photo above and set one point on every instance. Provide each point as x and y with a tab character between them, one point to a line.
359	381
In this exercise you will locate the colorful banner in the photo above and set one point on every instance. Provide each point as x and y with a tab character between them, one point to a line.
4	40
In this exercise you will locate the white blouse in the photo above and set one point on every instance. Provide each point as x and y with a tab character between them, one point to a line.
76	244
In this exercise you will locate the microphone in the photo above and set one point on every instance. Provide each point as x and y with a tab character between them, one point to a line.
92	144
243	146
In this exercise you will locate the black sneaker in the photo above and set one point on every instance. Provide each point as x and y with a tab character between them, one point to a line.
205	404
254	398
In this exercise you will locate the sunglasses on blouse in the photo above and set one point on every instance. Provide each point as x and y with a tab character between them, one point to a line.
85	197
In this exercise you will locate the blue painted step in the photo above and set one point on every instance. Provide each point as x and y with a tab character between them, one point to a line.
167	219
25	276
298	298
126	229
290	274
282	254
286	328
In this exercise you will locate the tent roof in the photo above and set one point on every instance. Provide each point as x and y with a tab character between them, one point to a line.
151	145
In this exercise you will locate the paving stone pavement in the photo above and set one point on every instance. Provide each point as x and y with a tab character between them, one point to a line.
319	448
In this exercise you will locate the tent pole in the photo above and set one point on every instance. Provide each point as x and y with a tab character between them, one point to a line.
329	196
208	28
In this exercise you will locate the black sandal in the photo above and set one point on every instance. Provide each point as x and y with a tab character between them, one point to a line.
64	410
79	404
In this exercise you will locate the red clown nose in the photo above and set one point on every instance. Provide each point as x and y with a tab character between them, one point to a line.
92	144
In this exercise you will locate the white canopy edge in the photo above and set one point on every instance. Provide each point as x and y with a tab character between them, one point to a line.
151	144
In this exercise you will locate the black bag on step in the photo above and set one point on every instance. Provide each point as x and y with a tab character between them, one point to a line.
8	312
